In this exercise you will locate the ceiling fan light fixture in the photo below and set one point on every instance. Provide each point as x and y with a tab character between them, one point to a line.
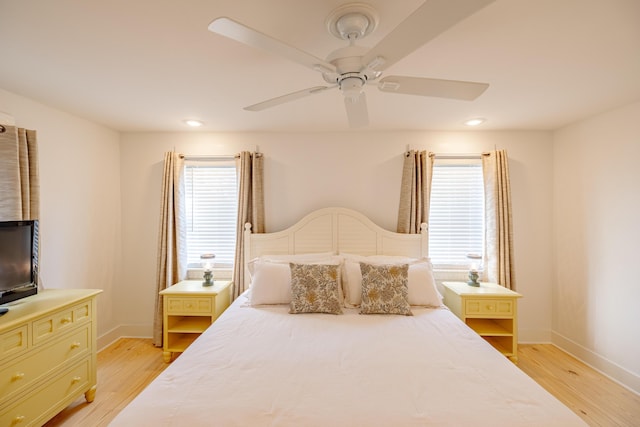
475	122
352	86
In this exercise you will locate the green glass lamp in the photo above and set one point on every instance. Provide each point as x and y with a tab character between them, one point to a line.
207	266
474	267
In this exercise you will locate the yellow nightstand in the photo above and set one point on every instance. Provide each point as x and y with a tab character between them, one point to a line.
189	309
490	309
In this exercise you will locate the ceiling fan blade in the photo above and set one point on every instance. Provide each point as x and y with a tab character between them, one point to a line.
424	24
357	111
287	98
454	89
234	30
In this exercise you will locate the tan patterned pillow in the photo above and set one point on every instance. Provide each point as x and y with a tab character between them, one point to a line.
314	288
384	289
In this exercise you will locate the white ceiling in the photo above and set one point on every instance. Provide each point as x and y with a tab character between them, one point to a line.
145	65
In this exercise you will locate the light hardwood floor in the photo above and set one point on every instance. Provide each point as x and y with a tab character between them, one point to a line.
129	364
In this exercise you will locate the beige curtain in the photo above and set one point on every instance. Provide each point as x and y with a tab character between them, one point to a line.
250	210
499	234
172	257
19	178
415	192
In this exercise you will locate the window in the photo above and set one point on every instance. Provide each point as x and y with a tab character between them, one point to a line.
211	206
456	214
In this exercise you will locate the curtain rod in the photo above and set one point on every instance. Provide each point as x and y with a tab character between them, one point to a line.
447	156
462	156
213	158
205	158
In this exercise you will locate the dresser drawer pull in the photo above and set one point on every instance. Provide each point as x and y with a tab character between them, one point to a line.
17	420
75	380
75	345
489	307
17	376
65	320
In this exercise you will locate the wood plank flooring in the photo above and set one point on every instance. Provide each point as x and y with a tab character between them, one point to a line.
129	364
124	369
597	399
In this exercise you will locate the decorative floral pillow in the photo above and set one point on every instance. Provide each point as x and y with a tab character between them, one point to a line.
384	289
315	288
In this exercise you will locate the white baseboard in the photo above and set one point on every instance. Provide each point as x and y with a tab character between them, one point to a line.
122	331
606	367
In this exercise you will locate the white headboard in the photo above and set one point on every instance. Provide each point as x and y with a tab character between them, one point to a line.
337	230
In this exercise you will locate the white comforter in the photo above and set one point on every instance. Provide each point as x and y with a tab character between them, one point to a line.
265	367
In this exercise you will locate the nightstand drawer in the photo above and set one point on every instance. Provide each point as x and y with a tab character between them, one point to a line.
499	307
189	305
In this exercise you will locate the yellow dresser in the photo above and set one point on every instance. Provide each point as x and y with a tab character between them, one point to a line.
47	355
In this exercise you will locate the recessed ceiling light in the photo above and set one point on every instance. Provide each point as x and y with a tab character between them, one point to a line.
193	123
474	122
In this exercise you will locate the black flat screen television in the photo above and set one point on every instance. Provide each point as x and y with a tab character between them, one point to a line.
18	260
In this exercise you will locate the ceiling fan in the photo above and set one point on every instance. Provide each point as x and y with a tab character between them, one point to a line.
351	67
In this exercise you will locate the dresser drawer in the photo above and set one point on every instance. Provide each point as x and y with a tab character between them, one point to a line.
494	307
13	342
60	321
15	377
186	305
54	394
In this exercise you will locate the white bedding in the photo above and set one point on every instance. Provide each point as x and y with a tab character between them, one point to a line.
260	366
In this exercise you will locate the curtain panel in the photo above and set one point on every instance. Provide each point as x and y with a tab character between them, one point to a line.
415	191
499	266
250	210
19	176
171	258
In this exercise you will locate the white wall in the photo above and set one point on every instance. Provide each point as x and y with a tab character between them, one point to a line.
597	232
581	179
80	200
358	170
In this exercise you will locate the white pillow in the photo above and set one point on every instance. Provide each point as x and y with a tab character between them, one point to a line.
287	258
270	283
421	284
271	280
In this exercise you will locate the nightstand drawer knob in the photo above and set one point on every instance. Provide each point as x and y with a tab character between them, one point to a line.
17	376
75	345
75	380
65	320
490	307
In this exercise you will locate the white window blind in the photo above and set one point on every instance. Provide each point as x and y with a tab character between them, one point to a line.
211	207
456	214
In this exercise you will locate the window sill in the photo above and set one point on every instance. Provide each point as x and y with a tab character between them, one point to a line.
218	273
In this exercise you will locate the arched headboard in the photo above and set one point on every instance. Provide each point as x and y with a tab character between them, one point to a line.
337	230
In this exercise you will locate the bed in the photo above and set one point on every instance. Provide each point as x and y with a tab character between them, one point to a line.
260	365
